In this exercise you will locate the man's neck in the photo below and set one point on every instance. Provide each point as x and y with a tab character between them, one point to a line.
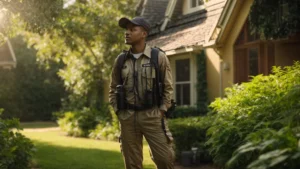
138	48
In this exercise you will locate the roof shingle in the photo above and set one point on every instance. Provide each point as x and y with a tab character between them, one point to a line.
188	30
154	11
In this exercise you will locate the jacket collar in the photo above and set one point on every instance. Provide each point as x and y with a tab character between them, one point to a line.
147	51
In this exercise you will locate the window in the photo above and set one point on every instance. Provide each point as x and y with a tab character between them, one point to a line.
183	83
251	55
195	3
190	6
253	61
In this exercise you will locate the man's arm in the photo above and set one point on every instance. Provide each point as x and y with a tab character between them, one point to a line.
166	74
112	86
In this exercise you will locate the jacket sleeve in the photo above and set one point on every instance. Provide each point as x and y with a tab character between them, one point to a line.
112	87
165	72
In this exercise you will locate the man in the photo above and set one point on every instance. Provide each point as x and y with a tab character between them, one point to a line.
141	116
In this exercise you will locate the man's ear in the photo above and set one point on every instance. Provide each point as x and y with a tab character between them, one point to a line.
145	34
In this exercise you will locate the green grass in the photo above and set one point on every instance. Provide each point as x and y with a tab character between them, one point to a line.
57	151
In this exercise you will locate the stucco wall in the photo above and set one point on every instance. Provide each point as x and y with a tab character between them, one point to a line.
212	73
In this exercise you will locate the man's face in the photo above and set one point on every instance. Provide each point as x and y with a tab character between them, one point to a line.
134	34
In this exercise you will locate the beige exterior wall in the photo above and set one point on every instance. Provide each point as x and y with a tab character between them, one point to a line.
230	35
286	53
212	73
193	74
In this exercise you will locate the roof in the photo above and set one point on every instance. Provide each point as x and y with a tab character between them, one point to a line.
154	10
7	56
187	30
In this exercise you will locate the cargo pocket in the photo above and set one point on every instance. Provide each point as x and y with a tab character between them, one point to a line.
166	130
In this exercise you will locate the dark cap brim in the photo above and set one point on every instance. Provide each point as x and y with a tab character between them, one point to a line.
123	22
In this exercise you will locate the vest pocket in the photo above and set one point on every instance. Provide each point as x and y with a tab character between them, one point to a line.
148	76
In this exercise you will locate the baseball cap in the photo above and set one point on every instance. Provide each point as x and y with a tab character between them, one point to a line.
139	21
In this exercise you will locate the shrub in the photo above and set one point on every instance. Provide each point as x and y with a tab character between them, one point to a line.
107	129
258	114
78	123
273	150
15	149
90	123
181	112
191	132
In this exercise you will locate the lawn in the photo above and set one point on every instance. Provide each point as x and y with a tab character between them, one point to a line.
57	151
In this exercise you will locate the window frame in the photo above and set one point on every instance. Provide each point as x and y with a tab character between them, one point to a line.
183	82
187	8
243	45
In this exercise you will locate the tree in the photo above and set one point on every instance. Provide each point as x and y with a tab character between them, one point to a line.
30	92
84	36
274	19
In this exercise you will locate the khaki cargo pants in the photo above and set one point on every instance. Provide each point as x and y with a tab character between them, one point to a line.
150	124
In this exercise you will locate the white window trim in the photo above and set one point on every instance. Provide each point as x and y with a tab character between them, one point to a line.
189	9
190	82
181	99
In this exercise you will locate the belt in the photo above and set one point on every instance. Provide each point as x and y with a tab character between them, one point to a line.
134	107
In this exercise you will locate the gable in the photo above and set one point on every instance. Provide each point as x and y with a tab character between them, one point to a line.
188	30
7	57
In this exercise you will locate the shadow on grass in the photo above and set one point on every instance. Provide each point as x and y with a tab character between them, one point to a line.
57	157
39	124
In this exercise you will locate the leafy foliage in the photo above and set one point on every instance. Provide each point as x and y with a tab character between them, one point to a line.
30	92
181	112
15	149
191	132
86	38
95	124
107	129
275	149
274	19
38	16
202	99
257	118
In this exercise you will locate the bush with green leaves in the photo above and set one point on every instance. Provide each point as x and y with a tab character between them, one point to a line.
15	149
107	129
78	123
257	125
191	132
95	124
182	111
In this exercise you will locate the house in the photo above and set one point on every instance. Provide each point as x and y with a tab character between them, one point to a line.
184	32
7	56
218	28
244	55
